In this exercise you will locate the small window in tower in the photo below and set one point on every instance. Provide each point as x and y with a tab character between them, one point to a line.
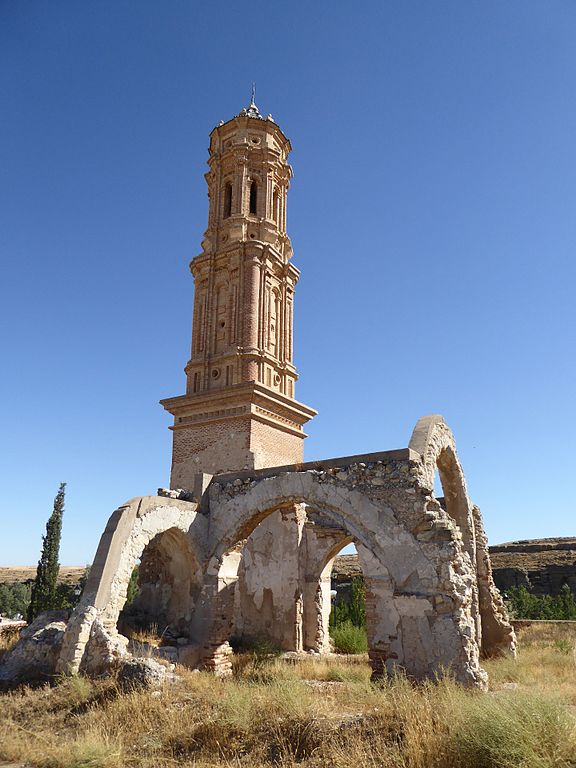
275	205
253	197
227	200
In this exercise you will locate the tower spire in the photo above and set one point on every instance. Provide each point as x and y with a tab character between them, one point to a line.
252	110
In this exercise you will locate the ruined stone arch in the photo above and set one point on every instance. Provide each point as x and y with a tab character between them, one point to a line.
170	581
430	593
234	519
434	441
153	523
418	612
129	531
432	438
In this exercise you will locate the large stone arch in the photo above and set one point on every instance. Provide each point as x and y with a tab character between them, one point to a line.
420	579
236	510
433	440
91	640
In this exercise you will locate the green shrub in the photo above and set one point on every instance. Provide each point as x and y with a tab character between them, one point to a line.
348	638
352	609
14	598
133	587
524	605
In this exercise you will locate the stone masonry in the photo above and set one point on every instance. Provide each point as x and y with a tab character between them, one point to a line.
243	542
431	602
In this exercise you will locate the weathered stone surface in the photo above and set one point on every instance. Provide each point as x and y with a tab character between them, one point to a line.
34	657
176	493
431	603
143	673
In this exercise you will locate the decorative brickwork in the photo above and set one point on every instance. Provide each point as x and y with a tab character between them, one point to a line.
242	337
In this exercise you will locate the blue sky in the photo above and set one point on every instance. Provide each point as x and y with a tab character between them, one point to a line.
431	213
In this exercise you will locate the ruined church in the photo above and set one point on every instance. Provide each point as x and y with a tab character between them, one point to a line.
242	542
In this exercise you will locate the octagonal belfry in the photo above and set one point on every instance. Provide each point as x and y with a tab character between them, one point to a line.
239	410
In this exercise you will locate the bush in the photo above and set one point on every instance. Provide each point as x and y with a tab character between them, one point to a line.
524	605
348	638
352	609
14	598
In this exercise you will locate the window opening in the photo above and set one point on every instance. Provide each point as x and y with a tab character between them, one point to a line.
253	197
227	200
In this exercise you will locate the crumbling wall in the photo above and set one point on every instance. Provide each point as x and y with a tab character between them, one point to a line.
431	604
268	603
498	635
434	441
421	578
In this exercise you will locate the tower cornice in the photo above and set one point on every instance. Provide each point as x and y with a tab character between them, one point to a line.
247	123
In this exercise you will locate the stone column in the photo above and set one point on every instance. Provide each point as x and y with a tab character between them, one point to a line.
213	621
271	588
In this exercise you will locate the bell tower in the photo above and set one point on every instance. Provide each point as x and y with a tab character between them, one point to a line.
239	410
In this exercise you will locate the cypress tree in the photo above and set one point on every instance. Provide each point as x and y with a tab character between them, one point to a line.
44	597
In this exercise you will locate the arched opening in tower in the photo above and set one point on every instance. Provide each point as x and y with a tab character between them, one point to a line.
253	198
227	200
276	206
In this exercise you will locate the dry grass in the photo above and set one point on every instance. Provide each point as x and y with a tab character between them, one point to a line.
546	662
7	641
68	573
320	712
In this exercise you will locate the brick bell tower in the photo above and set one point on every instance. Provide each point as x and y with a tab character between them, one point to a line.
239	410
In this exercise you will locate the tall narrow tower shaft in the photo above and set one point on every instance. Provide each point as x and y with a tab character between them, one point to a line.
239	410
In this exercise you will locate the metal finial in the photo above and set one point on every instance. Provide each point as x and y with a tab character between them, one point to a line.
252	110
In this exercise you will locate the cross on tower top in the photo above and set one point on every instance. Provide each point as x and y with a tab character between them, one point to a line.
252	110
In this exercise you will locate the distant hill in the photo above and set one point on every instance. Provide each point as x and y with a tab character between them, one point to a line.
68	573
541	565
